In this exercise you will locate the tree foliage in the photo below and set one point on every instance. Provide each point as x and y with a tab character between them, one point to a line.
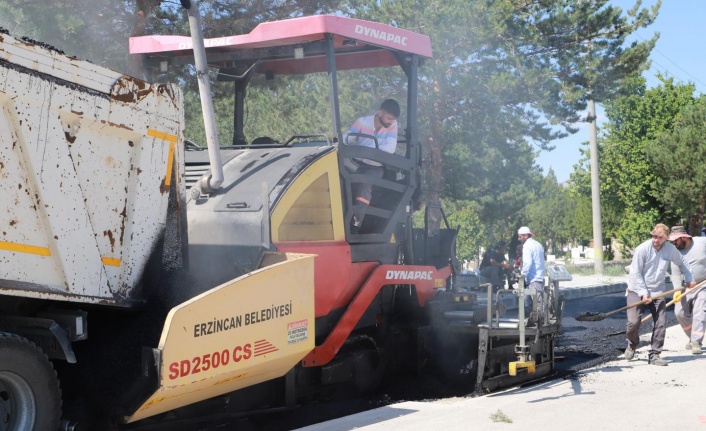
548	213
630	184
579	217
95	30
591	52
98	30
677	156
469	236
461	215
507	78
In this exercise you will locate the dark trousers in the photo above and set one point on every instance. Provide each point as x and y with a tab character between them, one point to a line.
492	275
362	192
658	309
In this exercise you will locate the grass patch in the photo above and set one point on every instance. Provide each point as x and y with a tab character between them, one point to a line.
499	416
608	271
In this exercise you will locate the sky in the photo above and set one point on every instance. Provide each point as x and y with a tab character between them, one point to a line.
679	53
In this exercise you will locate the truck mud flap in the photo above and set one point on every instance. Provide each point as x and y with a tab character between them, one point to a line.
246	331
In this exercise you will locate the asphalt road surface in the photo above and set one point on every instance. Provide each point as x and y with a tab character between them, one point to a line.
581	345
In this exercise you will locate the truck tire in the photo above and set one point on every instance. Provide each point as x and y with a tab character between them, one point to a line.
30	397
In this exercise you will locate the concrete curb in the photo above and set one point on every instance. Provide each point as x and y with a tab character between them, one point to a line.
569	293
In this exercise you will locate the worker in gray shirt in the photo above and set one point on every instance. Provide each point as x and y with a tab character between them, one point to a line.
647	273
690	309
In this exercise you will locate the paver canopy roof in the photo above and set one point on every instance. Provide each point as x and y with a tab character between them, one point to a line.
358	45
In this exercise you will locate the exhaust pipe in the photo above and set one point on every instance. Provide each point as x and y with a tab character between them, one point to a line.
209	183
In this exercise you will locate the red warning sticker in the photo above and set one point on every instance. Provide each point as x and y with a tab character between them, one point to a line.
297	331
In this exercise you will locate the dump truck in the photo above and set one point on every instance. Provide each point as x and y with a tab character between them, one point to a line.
146	280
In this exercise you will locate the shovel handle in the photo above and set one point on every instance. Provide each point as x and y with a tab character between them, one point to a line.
601	316
633	305
670	303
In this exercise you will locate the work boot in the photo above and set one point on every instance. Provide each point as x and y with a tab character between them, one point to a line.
629	353
695	348
656	360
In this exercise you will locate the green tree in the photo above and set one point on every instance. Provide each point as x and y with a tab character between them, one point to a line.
506	79
95	30
469	235
677	157
579	218
278	108
98	30
589	46
461	215
597	67
548	213
14	20
473	102
629	182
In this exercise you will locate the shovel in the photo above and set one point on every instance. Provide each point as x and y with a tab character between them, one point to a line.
595	317
670	303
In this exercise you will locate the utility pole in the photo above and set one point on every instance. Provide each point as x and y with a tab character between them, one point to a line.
595	189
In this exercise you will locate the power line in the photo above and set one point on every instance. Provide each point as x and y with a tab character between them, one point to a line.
680	68
666	69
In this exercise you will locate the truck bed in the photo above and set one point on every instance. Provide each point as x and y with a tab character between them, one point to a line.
87	158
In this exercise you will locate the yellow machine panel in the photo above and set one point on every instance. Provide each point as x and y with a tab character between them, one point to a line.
311	209
249	330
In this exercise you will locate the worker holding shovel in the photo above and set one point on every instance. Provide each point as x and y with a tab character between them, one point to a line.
690	309
647	275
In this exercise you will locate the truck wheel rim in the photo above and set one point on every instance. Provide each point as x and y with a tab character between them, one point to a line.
17	405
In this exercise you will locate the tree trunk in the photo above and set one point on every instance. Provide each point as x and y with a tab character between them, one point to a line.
696	221
434	163
143	9
595	191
